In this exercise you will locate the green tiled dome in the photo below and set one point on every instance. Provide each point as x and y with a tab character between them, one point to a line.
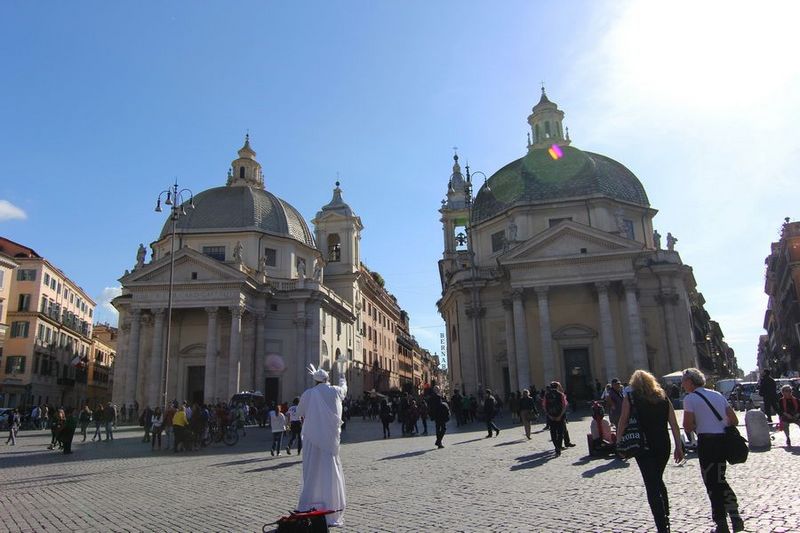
538	178
242	208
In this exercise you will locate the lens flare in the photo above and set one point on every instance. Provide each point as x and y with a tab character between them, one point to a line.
555	152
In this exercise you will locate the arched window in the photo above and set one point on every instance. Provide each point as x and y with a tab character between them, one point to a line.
560	135
334	248
536	134
241	172
547	129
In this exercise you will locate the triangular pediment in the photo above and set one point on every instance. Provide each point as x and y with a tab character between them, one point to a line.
570	239
190	265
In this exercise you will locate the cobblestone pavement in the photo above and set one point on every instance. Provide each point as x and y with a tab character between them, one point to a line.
505	483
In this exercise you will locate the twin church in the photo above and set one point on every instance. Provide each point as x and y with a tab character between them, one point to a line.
551	271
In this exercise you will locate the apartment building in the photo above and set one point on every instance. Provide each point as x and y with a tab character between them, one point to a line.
100	369
49	341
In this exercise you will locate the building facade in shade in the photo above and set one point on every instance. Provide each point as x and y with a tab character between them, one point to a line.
7	267
101	364
553	271
781	354
251	304
49	340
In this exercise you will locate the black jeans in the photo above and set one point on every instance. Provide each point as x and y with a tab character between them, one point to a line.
441	429
557	432
651	465
490	426
156	434
296	428
711	453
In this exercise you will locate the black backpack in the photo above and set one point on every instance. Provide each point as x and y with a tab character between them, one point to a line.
553	403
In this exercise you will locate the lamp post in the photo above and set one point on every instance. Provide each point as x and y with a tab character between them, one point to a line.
174	199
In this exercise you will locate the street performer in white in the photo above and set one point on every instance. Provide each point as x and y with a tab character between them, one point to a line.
321	410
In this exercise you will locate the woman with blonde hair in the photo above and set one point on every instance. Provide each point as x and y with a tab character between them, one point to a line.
653	412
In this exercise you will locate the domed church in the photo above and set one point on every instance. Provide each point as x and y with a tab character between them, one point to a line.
552	271
256	296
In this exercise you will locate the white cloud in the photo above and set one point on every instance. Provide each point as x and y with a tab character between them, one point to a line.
9	211
105	312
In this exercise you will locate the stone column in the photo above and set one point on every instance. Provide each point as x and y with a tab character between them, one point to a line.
235	351
258	365
511	351
119	375
248	352
669	300
607	331
548	359
636	343
522	349
156	360
300	324
132	379
210	381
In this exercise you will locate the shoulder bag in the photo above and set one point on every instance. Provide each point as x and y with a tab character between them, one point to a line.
736	449
632	442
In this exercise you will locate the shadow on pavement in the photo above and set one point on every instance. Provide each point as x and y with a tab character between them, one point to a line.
533	460
404	455
274	467
509	443
468	441
612	464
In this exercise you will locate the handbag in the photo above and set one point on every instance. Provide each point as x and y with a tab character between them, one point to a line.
632	442
736	449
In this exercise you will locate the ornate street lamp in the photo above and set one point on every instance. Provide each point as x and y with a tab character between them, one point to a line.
174	199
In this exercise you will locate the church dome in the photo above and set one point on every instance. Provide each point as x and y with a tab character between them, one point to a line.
538	178
242	205
242	208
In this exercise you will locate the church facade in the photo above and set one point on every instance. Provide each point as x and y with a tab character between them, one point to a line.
553	271
251	307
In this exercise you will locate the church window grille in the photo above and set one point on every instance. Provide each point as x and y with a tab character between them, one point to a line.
241	172
628	224
271	256
194	275
273	307
498	240
215	252
334	248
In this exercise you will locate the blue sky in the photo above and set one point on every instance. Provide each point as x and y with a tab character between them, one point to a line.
103	104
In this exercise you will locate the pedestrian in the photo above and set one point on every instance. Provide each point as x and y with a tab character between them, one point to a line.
56	425
790	411
68	431
654	412
440	413
277	424
386	418
323	478
36	415
180	426
456	401
13	426
527	407
145	421
699	415
97	418
156	423
83	418
769	392
109	417
295	426
567	442
489	411
167	424
555	405
423	411
614	401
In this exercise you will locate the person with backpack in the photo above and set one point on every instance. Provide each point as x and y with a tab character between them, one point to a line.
555	406
489	411
790	411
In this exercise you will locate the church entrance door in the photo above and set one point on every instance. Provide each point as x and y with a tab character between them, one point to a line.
195	381
576	366
271	386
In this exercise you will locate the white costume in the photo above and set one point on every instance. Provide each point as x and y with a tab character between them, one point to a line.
323	480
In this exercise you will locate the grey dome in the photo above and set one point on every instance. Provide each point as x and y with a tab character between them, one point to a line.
538	178
242	208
